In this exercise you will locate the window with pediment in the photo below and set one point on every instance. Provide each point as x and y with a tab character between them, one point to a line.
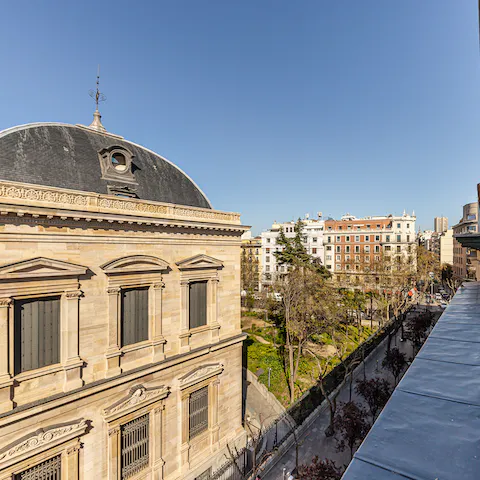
39	323
135	285
199	277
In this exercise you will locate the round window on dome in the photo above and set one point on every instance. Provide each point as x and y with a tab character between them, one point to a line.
119	162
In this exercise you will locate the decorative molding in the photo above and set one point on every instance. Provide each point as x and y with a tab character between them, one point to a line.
159	286
199	262
135	263
5	302
113	290
114	431
42	439
74	294
199	374
139	396
42	195
19	193
40	267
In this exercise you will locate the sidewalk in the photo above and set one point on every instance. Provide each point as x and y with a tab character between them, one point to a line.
314	442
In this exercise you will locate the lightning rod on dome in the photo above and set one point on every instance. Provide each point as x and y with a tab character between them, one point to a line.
98	97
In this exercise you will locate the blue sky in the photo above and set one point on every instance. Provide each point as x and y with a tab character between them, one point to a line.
275	108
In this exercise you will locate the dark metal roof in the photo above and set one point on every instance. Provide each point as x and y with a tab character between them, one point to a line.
430	428
66	156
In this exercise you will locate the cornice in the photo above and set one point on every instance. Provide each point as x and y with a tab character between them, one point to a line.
85	204
55	401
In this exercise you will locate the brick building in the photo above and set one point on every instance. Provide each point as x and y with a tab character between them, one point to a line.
354	247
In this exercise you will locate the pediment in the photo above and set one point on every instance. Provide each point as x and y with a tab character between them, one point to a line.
199	262
138	397
41	267
135	263
41	440
201	373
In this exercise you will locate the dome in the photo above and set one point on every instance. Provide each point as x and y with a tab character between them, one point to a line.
80	158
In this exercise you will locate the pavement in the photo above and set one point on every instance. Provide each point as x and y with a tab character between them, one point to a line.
314	442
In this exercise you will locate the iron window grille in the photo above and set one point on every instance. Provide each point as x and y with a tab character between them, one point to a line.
198	412
48	470
206	475
135	446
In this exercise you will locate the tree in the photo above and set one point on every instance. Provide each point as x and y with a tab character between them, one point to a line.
351	425
320	470
340	349
417	329
375	392
293	252
394	361
309	306
449	280
427	262
249	277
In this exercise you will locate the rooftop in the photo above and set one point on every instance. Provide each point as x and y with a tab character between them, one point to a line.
429	429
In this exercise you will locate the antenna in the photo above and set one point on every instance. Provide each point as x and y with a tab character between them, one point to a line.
96	94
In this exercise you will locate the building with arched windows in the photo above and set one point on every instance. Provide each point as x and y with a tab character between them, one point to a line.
120	337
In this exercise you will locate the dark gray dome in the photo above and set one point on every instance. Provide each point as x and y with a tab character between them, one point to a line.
68	156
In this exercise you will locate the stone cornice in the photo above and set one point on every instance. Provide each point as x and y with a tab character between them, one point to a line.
138	397
41	440
28	195
46	404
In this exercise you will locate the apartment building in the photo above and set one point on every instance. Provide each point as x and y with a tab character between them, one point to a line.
440	224
353	245
465	260
446	247
313	230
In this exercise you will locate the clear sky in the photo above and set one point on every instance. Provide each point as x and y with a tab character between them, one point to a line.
275	108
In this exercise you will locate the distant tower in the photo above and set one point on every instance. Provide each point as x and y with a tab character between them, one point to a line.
440	224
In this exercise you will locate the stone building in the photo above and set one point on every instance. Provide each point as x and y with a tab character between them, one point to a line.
120	338
465	259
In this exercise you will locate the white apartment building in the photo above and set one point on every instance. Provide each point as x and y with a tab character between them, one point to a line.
312	238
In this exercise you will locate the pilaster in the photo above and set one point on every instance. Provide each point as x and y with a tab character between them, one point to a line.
6	381
158	340
70	342
113	351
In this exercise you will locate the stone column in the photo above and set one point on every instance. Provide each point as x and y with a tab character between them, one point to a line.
213	410
114	453
184	449
157	428
184	320
71	360
213	310
71	468
158	340
6	356
113	351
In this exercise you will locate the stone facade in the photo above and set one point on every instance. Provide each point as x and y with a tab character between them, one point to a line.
84	248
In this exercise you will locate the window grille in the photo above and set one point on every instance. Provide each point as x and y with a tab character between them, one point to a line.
206	475
197	304
135	446
48	470
198	412
36	333
134	315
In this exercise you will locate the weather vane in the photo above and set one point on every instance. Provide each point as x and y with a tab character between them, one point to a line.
96	94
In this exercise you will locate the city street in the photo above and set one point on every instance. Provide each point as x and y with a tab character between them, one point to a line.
314	442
